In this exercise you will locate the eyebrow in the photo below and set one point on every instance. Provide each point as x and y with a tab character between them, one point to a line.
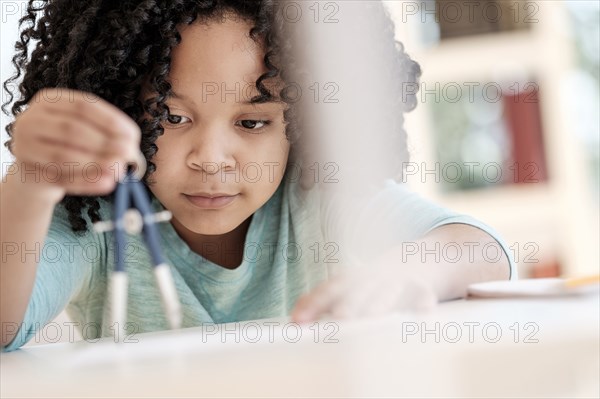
179	96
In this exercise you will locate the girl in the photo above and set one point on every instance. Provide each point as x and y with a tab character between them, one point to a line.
200	87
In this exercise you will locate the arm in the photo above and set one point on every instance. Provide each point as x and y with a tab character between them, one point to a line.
62	267
68	132
403	245
411	275
25	213
460	254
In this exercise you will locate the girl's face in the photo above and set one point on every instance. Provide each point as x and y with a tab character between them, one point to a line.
216	143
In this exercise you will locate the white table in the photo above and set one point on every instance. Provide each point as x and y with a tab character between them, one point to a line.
385	357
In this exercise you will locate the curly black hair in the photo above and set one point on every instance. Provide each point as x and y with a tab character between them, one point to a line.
113	48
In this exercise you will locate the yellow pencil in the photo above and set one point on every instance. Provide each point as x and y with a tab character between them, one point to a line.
579	281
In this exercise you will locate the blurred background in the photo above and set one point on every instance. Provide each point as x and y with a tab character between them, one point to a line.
507	126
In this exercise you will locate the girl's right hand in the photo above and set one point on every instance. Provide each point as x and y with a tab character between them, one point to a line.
77	143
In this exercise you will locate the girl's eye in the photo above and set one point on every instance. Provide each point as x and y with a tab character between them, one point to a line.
253	124
177	119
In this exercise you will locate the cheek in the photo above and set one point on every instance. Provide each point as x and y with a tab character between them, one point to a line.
276	149
272	156
163	145
166	150
284	144
165	169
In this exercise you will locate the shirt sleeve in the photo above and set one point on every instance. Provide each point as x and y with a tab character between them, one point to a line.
393	215
64	270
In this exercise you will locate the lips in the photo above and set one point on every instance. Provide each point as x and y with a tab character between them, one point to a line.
210	200
210	195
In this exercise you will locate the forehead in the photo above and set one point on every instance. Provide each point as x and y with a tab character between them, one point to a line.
219	52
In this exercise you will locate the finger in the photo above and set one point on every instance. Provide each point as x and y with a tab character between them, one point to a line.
314	304
55	134
362	290
44	152
62	165
68	132
367	283
103	186
85	106
88	179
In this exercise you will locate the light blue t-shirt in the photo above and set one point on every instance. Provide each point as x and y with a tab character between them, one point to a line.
292	244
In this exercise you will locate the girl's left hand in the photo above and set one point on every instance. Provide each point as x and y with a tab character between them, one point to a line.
385	287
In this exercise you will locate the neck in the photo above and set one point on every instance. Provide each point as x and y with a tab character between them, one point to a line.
225	250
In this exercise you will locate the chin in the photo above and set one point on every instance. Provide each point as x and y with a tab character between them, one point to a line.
207	225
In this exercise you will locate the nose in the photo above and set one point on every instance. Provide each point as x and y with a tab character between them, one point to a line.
210	150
